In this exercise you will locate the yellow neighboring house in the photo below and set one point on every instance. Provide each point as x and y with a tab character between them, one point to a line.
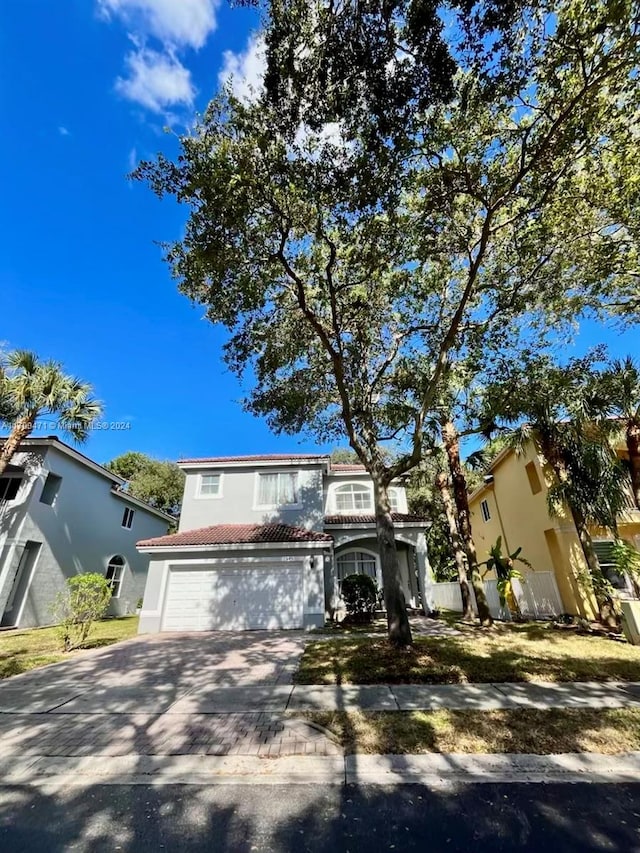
512	503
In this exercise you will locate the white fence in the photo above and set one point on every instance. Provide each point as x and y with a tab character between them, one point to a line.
537	596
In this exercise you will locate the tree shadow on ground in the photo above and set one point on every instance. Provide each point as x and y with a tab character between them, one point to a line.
321	819
524	730
538	656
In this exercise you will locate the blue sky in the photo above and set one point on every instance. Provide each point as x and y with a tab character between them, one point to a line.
81	278
86	87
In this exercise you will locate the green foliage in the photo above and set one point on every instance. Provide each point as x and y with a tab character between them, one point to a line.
626	557
344	455
31	388
360	595
159	483
85	600
348	313
627	561
506	571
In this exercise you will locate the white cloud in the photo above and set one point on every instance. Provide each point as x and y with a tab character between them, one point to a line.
156	81
328	134
245	71
63	131
178	23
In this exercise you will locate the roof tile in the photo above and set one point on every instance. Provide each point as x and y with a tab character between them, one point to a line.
263	457
398	517
237	534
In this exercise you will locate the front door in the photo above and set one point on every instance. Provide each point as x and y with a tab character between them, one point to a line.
21	583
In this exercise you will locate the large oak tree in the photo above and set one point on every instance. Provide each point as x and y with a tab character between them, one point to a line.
353	269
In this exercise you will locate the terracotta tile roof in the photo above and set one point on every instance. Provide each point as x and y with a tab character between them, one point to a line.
399	517
237	534
263	457
348	467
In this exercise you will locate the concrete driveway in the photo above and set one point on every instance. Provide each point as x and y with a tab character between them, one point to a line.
165	694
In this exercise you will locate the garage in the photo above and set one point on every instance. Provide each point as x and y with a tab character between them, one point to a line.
234	598
235	577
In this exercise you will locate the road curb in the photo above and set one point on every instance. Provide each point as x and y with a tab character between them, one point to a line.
436	770
459	768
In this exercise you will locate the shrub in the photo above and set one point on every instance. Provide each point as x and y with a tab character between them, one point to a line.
85	600
360	595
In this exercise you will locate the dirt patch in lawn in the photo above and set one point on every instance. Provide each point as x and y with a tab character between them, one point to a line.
517	731
530	652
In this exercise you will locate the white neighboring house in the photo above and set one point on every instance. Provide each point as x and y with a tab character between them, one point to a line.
264	542
62	514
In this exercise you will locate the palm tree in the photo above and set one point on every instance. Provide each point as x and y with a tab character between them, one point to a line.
556	409
506	572
30	388
621	384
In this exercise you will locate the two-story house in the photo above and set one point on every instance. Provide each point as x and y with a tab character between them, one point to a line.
512	503
62	514
264	542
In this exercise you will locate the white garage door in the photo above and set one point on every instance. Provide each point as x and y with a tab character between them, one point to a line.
233	598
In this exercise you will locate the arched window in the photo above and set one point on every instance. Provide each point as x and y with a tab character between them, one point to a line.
115	574
394	500
355	563
352	497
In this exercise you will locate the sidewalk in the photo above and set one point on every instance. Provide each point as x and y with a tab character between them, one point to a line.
64	735
460	697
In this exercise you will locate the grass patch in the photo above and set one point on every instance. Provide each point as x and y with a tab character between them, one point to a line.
21	651
339	629
609	731
508	652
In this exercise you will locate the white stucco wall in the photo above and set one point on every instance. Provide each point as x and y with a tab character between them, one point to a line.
79	533
237	502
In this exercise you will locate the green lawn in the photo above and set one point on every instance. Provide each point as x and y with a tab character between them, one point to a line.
508	652
377	625
21	651
518	731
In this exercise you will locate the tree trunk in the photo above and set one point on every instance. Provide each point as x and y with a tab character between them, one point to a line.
633	446
21	429
452	447
442	483
397	619
606	605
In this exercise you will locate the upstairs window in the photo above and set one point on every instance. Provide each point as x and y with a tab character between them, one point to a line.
353	497
279	489
9	487
209	486
484	509
127	517
50	489
532	476
115	574
394	500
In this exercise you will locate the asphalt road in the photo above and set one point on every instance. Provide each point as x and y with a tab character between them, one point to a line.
299	818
